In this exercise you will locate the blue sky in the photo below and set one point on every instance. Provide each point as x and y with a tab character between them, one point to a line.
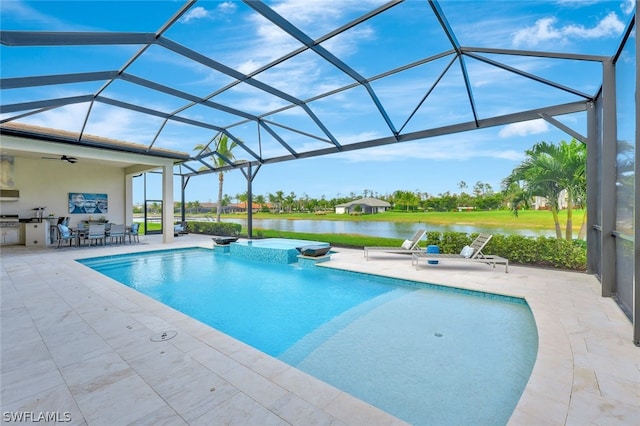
235	36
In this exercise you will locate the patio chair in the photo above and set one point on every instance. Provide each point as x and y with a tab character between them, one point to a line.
96	233
470	253
407	247
117	233
132	232
65	234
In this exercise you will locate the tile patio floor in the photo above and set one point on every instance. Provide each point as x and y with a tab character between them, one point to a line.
74	341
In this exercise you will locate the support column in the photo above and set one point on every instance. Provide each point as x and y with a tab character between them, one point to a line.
183	187
636	209
167	203
608	181
128	199
593	158
249	203
249	174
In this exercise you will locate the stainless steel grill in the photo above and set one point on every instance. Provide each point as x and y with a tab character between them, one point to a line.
9	221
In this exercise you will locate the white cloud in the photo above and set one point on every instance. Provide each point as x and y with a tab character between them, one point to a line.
199	12
195	13
227	7
628	6
576	3
524	128
545	30
68	118
313	18
120	124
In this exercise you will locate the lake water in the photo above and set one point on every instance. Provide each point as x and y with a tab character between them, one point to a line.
378	229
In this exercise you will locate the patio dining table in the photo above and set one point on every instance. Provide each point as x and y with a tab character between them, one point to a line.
81	233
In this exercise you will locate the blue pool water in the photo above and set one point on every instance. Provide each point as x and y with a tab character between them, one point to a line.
426	354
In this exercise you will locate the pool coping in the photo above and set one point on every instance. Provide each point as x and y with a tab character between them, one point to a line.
573	380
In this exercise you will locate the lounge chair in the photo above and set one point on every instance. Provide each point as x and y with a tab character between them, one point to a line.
180	228
471	253
407	247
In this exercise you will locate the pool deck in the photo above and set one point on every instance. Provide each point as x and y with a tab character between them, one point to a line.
77	344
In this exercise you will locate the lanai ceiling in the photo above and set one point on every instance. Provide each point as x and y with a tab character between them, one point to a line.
282	79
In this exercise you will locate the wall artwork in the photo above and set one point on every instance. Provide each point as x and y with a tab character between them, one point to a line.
7	172
85	203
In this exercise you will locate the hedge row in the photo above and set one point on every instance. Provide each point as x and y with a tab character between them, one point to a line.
540	251
537	251
222	229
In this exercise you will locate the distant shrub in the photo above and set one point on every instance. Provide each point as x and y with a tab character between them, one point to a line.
224	229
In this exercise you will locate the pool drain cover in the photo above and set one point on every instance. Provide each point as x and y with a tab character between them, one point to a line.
437	334
164	335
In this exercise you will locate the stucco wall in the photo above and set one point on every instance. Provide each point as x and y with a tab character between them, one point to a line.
47	183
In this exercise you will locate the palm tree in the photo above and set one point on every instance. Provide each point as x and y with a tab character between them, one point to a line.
279	197
541	174
260	200
548	170
242	200
225	150
574	157
290	201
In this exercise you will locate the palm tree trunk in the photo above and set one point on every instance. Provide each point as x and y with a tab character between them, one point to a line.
220	183
582	234
569	228
556	221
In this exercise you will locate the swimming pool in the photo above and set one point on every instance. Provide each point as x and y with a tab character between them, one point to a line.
423	353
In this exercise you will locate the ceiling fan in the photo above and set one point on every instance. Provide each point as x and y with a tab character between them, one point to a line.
71	160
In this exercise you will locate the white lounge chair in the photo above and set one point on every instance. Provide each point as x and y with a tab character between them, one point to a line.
407	247
180	228
471	253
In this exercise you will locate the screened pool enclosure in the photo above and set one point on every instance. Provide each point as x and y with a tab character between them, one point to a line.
287	81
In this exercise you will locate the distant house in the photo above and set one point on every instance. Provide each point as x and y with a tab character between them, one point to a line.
364	205
242	207
208	207
541	203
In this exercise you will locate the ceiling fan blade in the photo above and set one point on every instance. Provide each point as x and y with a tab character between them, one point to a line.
71	160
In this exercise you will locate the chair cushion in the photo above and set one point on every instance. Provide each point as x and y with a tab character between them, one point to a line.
64	231
467	252
407	244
